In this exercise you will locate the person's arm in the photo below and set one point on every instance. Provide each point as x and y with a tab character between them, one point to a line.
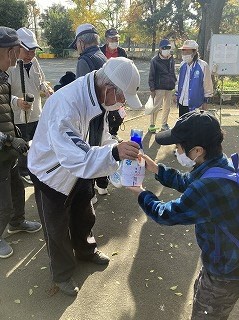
74	154
151	80
207	83
82	68
190	208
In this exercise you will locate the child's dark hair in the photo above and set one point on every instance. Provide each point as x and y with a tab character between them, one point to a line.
214	149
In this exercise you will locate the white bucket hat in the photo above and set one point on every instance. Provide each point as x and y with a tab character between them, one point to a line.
189	44
28	39
124	74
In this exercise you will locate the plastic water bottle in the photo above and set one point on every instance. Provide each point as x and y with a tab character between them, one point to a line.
132	172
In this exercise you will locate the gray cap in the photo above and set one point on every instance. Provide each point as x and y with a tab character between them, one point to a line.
8	37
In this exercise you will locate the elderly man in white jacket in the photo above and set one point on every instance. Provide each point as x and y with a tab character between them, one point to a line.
71	147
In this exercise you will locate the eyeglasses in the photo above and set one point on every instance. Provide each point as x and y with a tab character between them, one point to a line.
166	48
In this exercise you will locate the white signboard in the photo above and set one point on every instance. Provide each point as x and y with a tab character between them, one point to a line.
224	54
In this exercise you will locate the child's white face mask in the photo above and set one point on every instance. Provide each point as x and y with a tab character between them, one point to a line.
184	160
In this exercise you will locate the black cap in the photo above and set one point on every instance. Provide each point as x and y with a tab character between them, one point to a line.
110	33
8	37
67	78
193	129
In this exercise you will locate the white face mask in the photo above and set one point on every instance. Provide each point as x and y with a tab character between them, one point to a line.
166	53
112	107
187	58
184	160
113	45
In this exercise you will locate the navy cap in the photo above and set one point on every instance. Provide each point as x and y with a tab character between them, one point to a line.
164	43
193	129
111	33
8	37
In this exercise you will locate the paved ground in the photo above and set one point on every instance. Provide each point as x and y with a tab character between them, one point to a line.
147	260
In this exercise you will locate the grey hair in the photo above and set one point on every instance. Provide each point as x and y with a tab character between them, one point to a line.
89	38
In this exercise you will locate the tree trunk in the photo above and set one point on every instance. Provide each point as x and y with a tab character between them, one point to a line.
153	40
210	24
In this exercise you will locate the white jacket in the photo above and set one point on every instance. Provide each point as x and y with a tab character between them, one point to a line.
59	153
33	85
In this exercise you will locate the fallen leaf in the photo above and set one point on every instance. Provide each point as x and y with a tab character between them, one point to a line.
17	301
189	244
36	286
30	292
171	245
41	240
151	271
162	234
173	288
100	236
115	253
42	268
146	285
160	278
178	294
117	282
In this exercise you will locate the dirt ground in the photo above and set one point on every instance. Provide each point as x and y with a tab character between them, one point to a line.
152	268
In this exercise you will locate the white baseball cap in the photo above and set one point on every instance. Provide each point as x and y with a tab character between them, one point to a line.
189	44
124	74
28	39
83	29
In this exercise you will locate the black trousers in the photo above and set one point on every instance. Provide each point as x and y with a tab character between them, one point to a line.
182	109
27	132
12	195
67	224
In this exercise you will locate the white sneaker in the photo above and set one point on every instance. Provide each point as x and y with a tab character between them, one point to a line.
94	199
101	191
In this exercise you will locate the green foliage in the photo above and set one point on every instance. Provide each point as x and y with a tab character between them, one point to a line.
13	14
57	27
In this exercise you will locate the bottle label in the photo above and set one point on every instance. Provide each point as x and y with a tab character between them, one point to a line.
132	173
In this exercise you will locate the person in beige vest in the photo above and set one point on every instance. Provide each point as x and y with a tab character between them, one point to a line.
35	84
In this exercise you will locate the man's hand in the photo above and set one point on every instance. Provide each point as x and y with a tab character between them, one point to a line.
128	150
23	104
150	164
19	144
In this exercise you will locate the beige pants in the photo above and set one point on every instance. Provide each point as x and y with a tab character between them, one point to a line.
163	99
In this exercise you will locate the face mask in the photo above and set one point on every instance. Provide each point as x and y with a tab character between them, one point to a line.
113	45
112	107
184	160
166	53
187	58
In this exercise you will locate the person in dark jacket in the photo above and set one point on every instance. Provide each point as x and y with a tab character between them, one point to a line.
86	43
162	81
90	58
12	194
111	49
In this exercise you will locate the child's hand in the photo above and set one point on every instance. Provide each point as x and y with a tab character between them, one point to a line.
150	164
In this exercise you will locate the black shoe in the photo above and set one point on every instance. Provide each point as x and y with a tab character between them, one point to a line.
25	226
98	258
68	287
